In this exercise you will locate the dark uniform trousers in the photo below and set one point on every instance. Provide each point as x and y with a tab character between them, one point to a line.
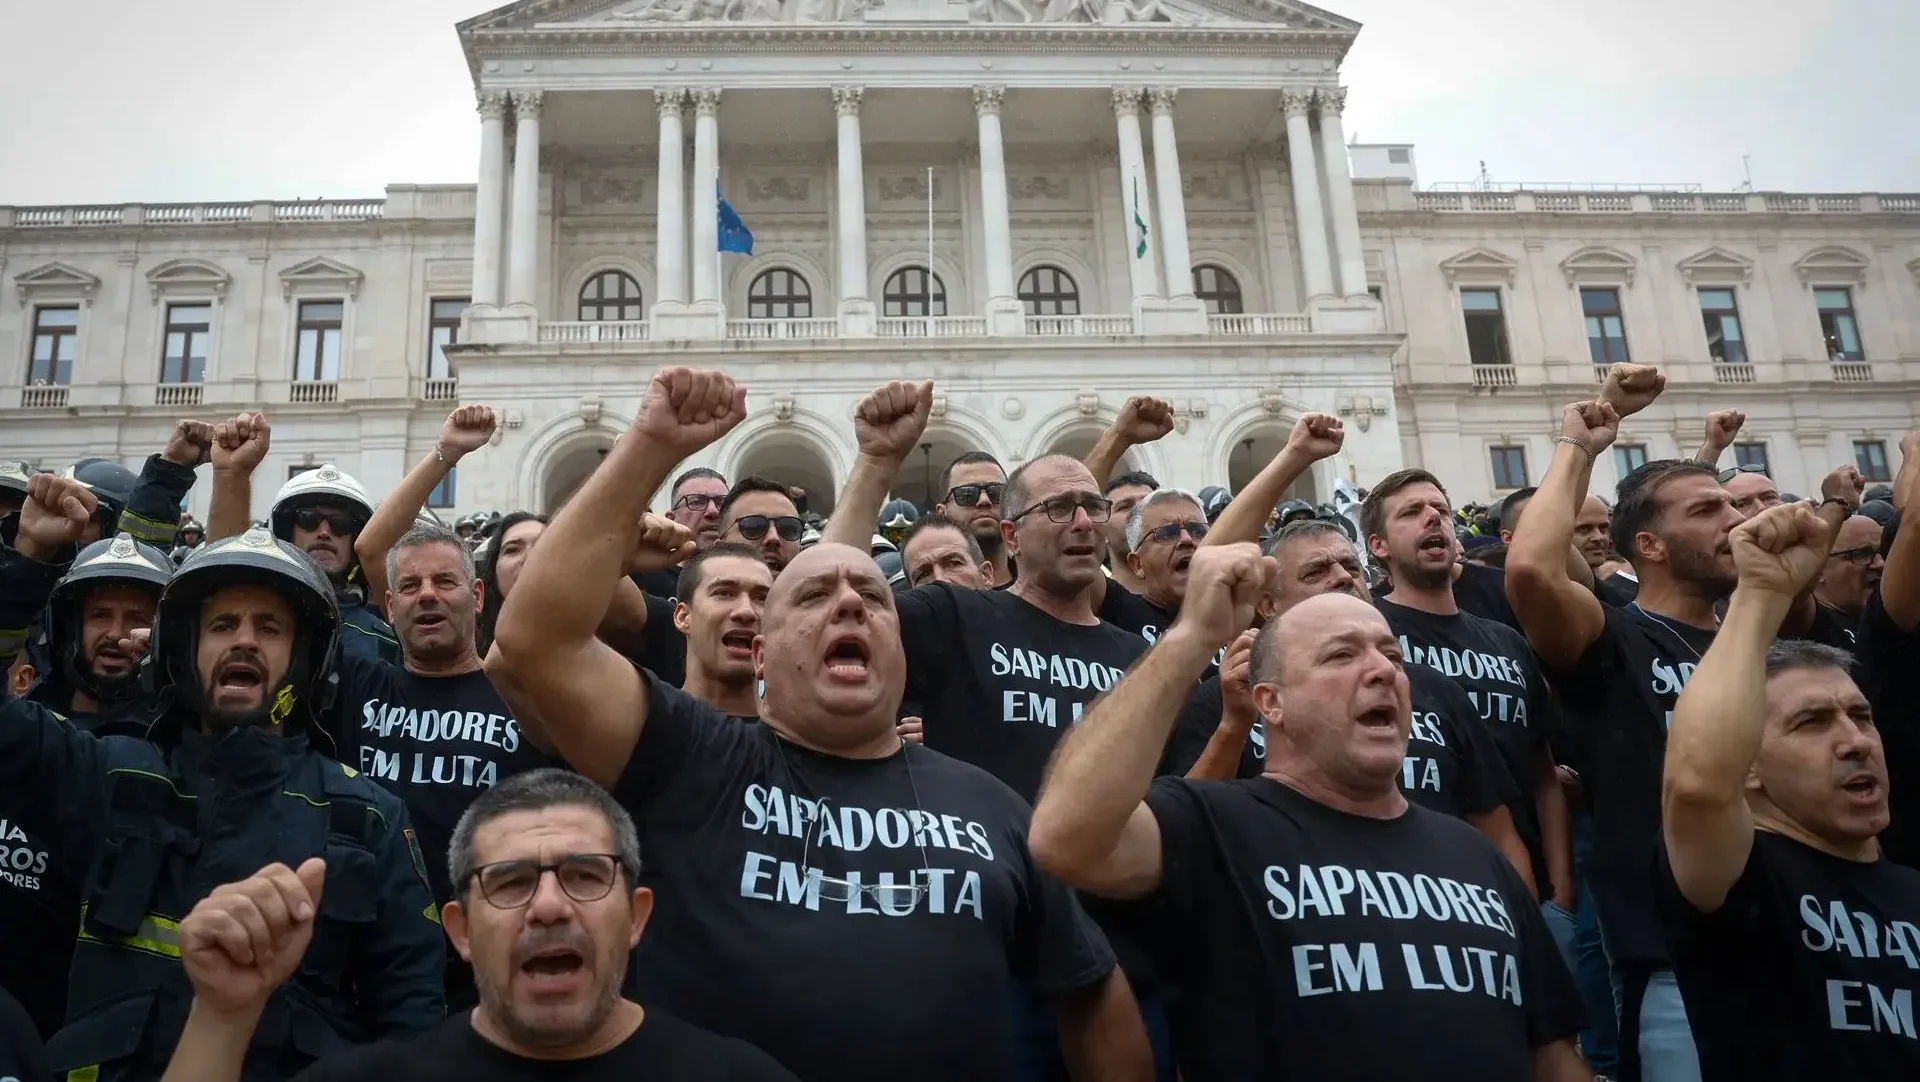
160	825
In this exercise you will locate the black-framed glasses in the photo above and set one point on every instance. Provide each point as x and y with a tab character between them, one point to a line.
754	527
584	877
969	495
697	503
894	898
1862	555
1171	532
340	522
1745	467
1061	508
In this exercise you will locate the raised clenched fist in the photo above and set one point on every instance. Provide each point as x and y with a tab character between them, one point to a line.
1317	436
239	445
189	444
1594	424
1224	583
1780	550
1722	427
1630	388
1846	485
245	939
1144	419
687	409
54	516
888	423
663	543
466	429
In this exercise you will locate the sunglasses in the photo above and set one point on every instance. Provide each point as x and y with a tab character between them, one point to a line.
754	527
1171	532
339	522
1749	467
969	495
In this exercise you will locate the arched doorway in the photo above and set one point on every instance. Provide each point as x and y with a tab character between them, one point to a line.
1077	442
792	459
570	469
1253	450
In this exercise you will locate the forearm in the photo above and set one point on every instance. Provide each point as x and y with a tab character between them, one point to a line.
859	505
1577	568
396	515
1718	719
1900	581
1709	453
1560	1062
212	1047
1800	615
1497	826
1106	762
26	582
231	509
153	508
1556	833
1246	514
625	625
1220	759
1102	1038
1105	456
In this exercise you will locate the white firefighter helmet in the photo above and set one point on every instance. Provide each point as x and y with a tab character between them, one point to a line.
326	484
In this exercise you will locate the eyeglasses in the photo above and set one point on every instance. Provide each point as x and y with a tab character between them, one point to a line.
890	897
584	877
697	503
1862	555
754	527
1061	508
1745	467
969	495
1171	532
310	518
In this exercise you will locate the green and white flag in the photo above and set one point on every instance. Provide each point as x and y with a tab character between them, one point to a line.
1139	221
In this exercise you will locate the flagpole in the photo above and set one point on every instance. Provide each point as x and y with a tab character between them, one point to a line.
929	251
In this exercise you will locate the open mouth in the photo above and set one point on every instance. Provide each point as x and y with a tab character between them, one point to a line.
1182	561
554	969
1862	785
427	620
1380	717
847	660
737	643
239	676
1079	550
1436	542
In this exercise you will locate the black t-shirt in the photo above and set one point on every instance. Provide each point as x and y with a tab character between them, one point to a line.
1452	764
1619	701
663	1048
1616	590
999	681
22	1057
1809	970
906	978
1497	669
1306	943
1889	676
663	650
1831	627
1482	591
1129	611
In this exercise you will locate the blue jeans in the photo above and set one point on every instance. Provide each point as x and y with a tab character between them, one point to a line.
1600	1039
1560	924
1663	1039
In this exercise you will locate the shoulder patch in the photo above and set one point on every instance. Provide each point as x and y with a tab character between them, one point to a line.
419	864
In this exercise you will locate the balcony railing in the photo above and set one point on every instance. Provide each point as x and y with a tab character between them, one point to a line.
591	331
1078	326
764	329
43	397
1650	200
312	391
1733	373
1600	372
313	210
1852	372
178	394
931	327
1259	324
1495	375
440	390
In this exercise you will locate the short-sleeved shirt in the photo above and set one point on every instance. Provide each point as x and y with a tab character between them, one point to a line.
1482	591
854	918
1808	971
1307	943
1888	671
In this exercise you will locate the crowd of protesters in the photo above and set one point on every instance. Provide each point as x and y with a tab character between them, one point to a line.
1071	775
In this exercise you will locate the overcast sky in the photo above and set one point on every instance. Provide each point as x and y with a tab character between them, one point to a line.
106	101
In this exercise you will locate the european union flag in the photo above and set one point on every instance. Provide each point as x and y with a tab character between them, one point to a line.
734	234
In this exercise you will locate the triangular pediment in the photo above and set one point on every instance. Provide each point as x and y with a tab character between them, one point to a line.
188	276
1598	263
581	14
1479	265
1831	263
55	280
321	273
1716	266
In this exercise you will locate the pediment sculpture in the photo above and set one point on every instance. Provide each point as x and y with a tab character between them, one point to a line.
1108	12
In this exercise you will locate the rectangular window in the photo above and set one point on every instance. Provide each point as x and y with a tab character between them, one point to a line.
1752	454
1870	457
442	494
317	351
56	337
1838	325
189	329
1606	325
443	330
1509	467
1725	342
1486	326
295	471
1628	457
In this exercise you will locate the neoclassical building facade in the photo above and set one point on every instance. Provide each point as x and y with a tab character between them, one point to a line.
1043	207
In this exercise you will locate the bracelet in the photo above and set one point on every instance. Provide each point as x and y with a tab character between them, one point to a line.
1845	505
1585	447
440	456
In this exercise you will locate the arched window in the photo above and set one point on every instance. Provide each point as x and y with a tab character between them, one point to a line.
1218	288
911	291
779	294
1049	291
611	295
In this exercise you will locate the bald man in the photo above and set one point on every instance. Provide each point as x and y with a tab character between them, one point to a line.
1312	915
778	848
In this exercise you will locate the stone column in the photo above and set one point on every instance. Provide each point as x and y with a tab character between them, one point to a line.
489	208
670	245
1135	210
706	197
1003	311
1350	264
1308	222
1175	254
856	306
524	243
